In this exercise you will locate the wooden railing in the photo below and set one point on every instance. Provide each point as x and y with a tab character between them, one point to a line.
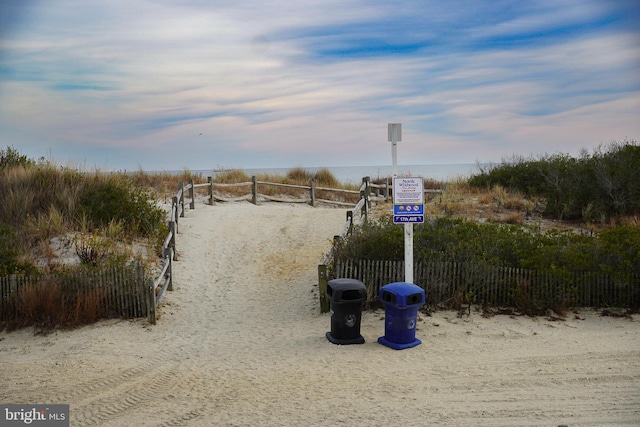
157	287
311	192
368	193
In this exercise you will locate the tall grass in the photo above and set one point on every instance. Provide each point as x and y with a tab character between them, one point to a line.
39	201
48	304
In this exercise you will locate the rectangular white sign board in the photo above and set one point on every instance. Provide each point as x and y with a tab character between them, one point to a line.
408	199
395	132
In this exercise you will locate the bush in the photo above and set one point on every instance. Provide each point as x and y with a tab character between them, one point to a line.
382	240
108	198
8	253
40	201
12	157
615	250
593	187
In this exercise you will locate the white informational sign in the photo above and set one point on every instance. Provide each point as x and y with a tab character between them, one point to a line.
408	200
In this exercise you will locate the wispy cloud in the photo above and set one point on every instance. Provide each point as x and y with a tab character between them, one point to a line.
169	84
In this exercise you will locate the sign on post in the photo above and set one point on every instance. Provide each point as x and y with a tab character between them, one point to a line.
408	200
395	132
408	209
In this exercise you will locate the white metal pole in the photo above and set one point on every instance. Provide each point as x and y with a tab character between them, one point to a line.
395	135
394	157
408	252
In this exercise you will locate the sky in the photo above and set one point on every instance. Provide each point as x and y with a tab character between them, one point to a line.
202	84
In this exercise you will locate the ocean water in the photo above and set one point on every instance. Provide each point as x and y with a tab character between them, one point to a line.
354	174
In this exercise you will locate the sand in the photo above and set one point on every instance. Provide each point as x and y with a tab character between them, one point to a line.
241	342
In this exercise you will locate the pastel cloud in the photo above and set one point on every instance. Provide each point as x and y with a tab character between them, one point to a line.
314	83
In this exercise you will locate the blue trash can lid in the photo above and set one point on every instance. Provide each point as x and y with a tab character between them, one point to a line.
402	294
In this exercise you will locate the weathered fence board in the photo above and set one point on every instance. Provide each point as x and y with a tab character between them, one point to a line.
120	290
444	282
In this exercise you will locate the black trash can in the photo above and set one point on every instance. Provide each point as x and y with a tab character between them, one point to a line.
345	301
401	302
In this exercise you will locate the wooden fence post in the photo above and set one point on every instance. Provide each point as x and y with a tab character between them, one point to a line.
312	186
139	289
386	189
173	226
174	205
170	272
322	288
367	190
151	302
181	201
364	210
254	190
350	221
210	189
169	252
192	203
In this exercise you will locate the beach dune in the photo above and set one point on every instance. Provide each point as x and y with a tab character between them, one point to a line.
241	342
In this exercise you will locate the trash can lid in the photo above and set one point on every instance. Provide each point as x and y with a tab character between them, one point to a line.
402	288
346	284
346	289
402	294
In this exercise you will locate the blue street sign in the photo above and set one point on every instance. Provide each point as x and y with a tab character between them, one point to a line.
408	219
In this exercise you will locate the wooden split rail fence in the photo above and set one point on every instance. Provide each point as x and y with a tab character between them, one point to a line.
157	288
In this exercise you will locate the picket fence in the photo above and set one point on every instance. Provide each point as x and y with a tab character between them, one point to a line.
453	284
120	291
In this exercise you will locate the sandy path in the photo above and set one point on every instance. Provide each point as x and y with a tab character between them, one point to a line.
240	342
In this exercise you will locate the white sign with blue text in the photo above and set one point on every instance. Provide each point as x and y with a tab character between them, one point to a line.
408	200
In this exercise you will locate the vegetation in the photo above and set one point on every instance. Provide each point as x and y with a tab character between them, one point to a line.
11	157
505	245
497	220
594	187
41	201
100	215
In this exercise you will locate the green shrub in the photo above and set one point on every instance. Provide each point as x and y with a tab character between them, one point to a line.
381	240
12	157
104	199
8	253
615	250
593	187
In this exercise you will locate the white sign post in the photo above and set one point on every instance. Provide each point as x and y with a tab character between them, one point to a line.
408	208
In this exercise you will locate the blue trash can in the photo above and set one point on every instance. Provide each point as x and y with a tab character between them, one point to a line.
345	301
401	302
